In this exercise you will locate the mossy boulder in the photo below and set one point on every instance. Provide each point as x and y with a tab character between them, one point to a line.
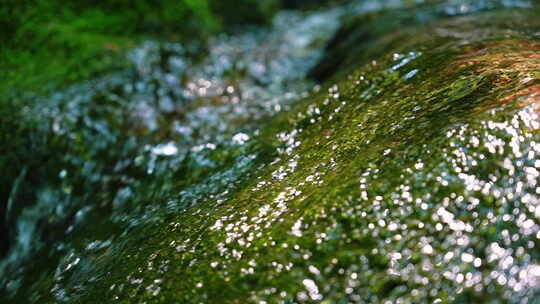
409	176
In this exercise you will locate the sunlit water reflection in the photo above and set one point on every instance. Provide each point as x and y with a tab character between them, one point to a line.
172	191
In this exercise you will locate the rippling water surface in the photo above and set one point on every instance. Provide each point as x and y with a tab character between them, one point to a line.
410	177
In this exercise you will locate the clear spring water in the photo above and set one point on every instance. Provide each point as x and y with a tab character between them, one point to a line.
366	192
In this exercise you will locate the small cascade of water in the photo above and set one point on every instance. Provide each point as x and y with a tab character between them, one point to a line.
180	176
165	118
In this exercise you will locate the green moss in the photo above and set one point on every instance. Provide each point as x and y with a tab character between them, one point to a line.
340	185
378	148
54	43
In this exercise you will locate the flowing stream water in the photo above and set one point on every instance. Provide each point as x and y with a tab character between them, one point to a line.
410	176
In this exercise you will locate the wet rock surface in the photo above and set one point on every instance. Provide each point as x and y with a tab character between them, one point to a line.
410	176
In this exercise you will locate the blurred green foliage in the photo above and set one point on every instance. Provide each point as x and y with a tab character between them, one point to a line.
52	41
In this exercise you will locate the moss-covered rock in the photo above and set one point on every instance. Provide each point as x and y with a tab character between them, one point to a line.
410	176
